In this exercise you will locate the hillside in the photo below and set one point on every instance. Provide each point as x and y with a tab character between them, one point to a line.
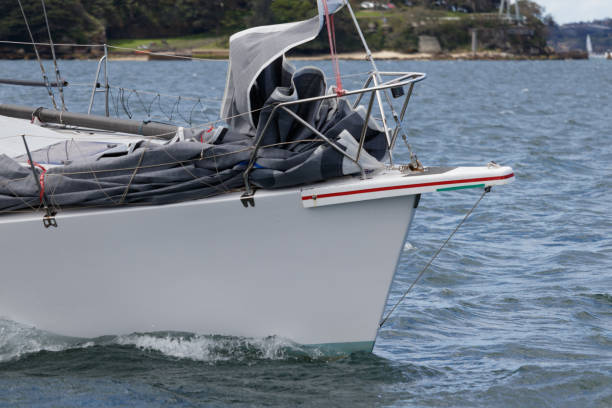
197	26
573	36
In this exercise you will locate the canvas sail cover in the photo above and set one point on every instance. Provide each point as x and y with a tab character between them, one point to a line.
198	164
252	50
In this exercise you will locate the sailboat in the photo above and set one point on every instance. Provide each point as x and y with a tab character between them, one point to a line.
589	48
287	220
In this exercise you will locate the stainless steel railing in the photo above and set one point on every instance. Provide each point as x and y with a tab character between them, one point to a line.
399	80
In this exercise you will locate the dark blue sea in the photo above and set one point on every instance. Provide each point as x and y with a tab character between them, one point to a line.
515	312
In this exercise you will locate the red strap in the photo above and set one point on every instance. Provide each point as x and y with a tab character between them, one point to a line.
41	179
206	131
331	34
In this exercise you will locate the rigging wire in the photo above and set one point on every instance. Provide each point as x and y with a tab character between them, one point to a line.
57	71
486	190
42	67
145	53
44	43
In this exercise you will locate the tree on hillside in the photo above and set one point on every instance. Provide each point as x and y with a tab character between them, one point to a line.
261	12
68	19
142	18
284	11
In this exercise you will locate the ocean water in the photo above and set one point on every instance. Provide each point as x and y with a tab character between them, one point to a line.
515	312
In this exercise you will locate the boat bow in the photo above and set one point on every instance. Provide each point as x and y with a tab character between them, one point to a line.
394	183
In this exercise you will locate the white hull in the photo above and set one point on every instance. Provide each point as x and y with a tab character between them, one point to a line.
313	264
315	274
211	266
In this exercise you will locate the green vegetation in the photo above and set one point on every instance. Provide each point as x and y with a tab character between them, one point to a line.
204	25
284	11
194	41
69	20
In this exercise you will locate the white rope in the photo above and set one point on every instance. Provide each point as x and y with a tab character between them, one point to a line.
139	51
145	53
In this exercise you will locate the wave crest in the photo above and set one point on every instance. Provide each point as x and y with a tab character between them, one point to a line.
18	340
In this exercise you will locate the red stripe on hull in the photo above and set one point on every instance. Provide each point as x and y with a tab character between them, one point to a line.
436	183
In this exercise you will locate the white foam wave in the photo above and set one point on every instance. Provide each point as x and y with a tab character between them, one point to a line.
17	340
212	348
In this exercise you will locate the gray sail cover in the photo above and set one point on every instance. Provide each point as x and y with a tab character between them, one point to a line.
198	164
252	50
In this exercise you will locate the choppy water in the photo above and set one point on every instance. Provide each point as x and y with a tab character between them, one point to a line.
516	312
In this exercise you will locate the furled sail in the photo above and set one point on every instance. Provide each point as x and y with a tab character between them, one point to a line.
255	49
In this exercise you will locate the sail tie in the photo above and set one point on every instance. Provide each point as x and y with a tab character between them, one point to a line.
41	179
210	129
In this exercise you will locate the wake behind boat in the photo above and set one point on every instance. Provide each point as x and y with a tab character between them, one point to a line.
288	219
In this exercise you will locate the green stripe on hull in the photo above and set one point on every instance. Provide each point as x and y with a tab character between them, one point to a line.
460	187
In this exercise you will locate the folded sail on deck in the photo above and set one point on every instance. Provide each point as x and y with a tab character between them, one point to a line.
192	166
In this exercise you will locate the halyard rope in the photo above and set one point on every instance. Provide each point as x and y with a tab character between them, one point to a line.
329	22
42	67
486	190
58	77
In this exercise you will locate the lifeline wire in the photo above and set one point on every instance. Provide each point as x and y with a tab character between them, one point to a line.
486	190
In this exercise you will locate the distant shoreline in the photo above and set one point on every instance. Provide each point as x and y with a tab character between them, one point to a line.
221	55
379	55
451	56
